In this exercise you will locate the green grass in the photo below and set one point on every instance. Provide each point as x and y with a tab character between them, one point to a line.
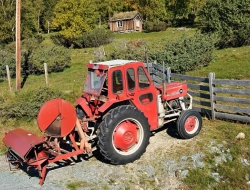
77	184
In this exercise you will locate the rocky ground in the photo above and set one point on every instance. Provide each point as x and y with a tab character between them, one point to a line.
167	160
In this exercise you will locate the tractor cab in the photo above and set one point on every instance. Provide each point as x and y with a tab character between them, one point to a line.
119	82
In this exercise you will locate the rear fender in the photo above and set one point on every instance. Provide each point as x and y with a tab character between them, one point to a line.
84	104
111	104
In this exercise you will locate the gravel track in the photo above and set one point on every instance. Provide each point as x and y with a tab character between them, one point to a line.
156	169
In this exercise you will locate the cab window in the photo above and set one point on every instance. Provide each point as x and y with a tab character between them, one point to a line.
142	78
117	83
131	79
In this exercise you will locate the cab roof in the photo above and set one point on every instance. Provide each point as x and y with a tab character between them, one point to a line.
108	64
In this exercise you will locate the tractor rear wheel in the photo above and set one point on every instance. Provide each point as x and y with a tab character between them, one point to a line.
123	135
189	124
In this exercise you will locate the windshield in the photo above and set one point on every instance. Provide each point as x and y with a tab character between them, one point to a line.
94	83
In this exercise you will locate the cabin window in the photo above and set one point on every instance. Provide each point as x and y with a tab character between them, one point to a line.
119	24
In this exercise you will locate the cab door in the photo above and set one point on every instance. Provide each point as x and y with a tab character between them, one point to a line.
140	89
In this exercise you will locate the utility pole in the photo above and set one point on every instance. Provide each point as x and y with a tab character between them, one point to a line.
18	51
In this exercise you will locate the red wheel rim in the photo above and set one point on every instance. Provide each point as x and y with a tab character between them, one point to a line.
128	136
125	135
191	125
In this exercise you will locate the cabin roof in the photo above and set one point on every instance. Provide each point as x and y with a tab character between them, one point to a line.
124	16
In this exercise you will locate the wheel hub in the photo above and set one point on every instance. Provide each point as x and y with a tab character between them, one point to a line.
125	135
190	124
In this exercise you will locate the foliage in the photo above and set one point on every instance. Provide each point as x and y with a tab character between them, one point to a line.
30	14
7	59
184	21
73	17
56	57
7	21
33	57
153	10
97	37
26	104
230	20
177	8
154	26
182	55
60	40
94	38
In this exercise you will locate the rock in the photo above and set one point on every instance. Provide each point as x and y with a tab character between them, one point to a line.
177	173
240	136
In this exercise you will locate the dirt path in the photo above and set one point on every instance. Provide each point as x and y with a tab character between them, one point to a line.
158	168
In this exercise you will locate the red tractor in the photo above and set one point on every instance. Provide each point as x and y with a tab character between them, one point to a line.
117	111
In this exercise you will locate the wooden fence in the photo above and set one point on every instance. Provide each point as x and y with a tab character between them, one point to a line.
217	98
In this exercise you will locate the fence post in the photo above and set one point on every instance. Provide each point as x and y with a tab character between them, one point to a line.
46	74
8	76
168	74
211	77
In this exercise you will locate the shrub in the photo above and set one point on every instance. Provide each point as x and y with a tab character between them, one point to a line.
94	38
230	20
7	59
182	55
186	53
155	26
26	104
59	40
97	37
56	57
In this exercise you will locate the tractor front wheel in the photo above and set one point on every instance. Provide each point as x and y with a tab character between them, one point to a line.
123	135
189	124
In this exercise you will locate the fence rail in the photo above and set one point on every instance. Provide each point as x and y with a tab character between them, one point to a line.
217	98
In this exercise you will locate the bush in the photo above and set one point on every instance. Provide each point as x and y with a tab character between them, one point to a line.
186	53
59	40
155	26
26	104
33	57
182	55
56	57
184	21
97	37
230	20
7	59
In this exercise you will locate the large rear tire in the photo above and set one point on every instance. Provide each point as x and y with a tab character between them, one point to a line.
124	135
189	124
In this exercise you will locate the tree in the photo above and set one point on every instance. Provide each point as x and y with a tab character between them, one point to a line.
177	8
73	17
152	10
7	21
230	20
30	11
48	14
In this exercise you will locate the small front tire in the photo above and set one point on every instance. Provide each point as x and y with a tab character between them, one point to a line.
189	124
